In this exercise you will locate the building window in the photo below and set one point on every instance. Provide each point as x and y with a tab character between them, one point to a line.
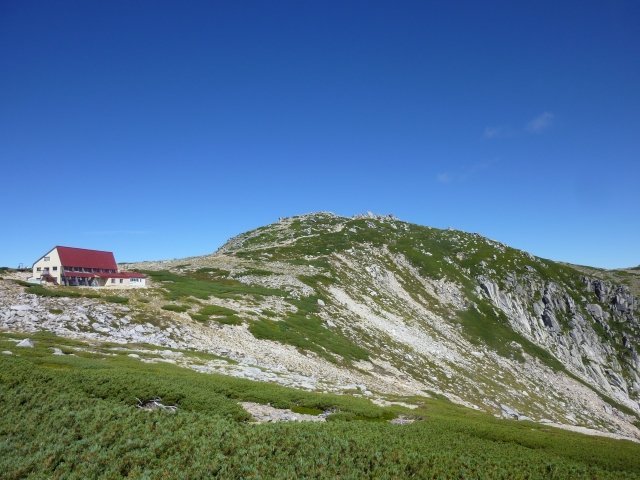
121	280
38	269
55	268
46	259
113	280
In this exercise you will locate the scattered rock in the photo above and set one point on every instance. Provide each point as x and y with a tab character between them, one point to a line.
20	308
268	414
402	420
155	404
26	343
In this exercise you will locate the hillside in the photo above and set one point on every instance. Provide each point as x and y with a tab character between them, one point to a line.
381	309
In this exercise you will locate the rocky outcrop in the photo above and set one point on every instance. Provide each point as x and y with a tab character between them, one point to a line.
596	341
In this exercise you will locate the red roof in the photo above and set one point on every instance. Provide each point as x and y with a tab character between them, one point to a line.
81	257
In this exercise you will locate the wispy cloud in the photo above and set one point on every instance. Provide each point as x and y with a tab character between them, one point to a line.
536	125
117	232
443	177
496	132
540	123
465	173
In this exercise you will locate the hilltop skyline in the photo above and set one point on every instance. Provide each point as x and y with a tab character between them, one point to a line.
158	131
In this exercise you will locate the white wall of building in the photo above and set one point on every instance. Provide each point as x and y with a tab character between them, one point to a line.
125	283
49	262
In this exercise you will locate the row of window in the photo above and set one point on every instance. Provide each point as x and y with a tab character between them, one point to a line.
77	269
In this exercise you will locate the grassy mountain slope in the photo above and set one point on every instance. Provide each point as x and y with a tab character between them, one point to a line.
387	310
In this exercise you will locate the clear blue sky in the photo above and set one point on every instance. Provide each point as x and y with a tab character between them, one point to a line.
160	129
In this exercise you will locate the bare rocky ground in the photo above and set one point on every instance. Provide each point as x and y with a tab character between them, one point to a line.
237	352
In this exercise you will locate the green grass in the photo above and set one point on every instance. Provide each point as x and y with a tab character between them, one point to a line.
74	417
201	284
116	299
60	292
175	308
306	410
223	315
69	292
305	330
216	310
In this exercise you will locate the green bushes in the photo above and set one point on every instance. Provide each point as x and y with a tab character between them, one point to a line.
57	292
308	333
305	330
202	284
220	314
216	310
62	292
116	299
171	307
73	417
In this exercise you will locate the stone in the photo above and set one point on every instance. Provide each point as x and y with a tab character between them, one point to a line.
595	310
402	420
509	412
26	343
20	308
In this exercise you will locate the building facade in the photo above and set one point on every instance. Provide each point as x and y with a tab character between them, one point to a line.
83	267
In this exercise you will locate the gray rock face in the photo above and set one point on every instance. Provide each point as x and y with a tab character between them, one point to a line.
585	336
26	343
595	310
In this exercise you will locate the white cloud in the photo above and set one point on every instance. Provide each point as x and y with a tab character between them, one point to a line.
540	123
443	177
536	125
495	132
465	173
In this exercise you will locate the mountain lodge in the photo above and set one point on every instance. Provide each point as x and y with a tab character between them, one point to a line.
83	267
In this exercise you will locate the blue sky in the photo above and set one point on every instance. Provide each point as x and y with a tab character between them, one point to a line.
160	129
